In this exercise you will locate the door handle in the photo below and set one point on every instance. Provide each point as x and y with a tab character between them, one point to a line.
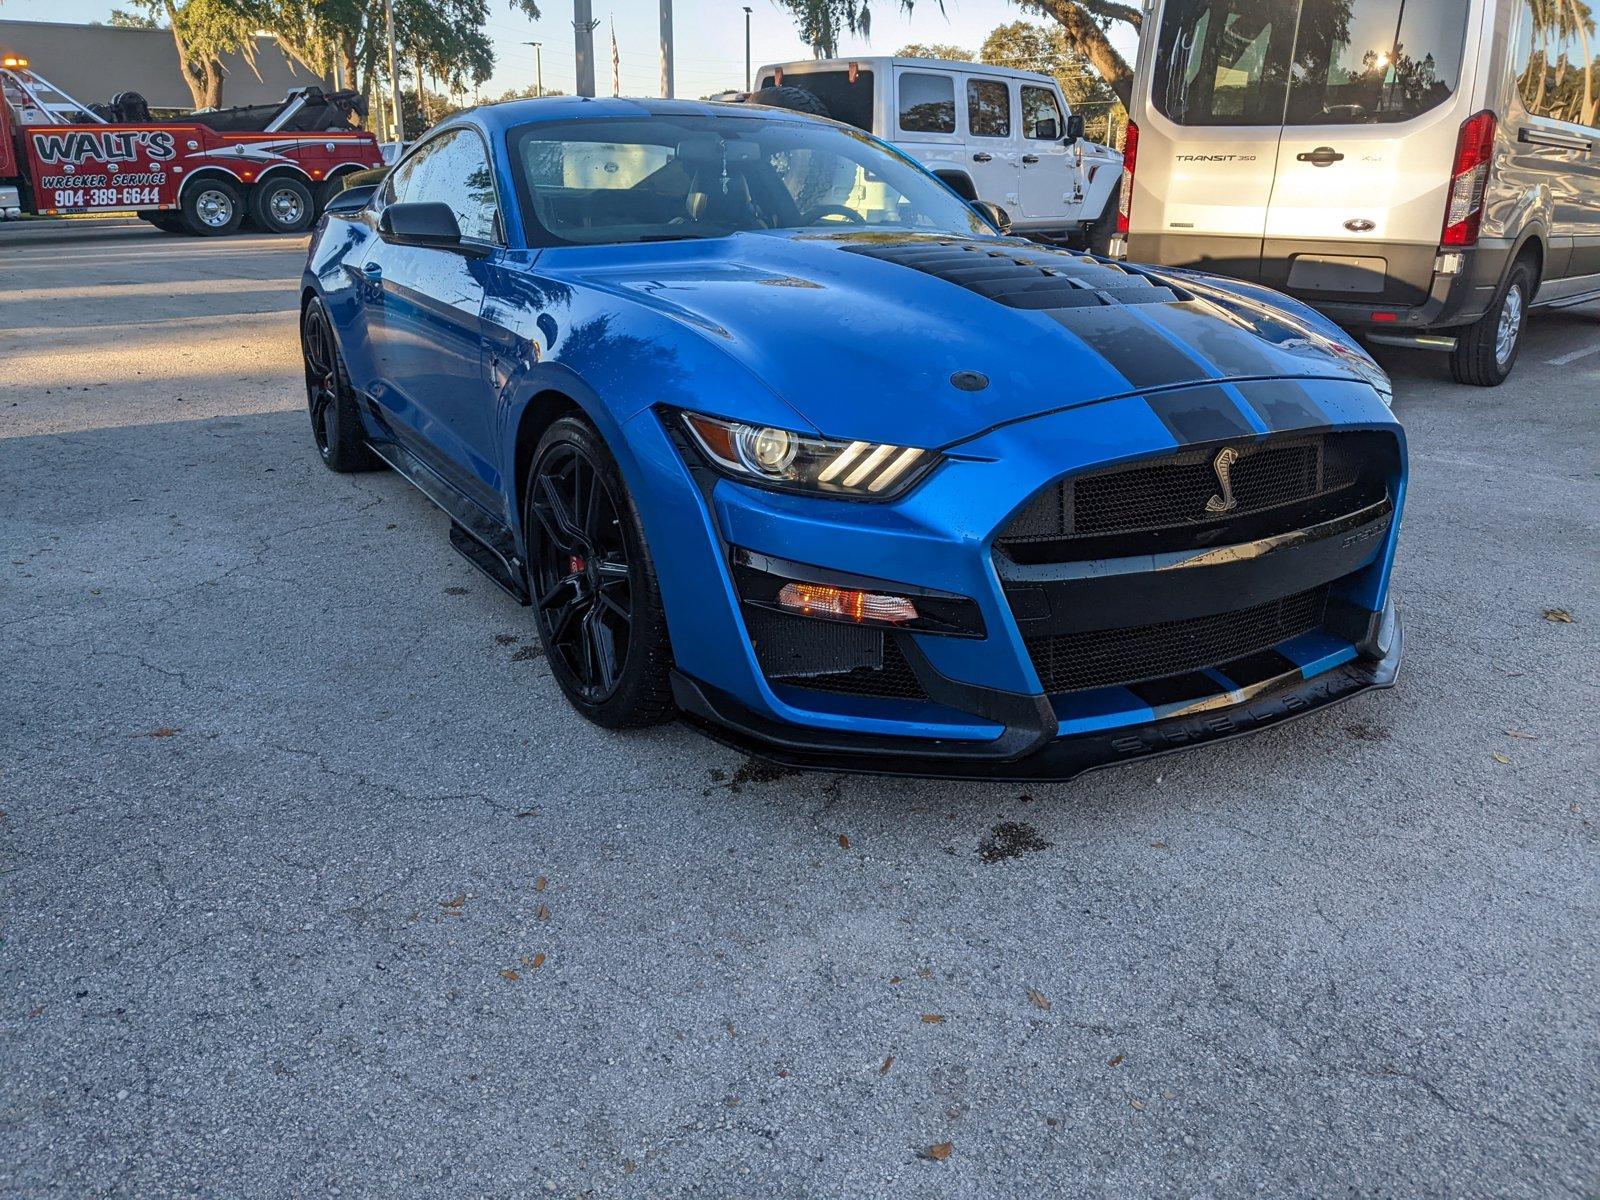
1030	158
1322	156
1549	137
983	156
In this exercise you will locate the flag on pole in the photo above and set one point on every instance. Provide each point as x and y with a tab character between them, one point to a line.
616	62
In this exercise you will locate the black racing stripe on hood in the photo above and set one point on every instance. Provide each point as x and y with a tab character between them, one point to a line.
1200	414
1218	341
1283	404
1145	358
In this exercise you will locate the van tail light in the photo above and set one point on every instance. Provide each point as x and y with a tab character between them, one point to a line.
1468	178
1130	156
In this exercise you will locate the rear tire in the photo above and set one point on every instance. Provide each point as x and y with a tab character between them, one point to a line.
593	582
282	205
1487	349
211	208
795	99
335	420
1097	238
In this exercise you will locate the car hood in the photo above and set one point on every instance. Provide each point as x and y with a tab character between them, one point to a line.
883	337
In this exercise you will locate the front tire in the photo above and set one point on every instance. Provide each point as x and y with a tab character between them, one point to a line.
596	599
335	420
211	208
1487	349
282	205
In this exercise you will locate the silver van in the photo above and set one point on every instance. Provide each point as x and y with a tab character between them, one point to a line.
1422	171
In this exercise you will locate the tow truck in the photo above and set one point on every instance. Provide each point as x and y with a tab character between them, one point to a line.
271	167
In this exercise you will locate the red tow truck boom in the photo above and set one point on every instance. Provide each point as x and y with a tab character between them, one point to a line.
272	166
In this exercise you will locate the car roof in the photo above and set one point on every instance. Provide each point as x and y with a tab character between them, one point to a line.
512	113
807	65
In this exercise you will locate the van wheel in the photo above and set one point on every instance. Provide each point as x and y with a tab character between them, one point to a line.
212	207
282	205
1487	349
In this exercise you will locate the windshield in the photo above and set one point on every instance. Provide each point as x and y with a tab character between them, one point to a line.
668	177
1306	62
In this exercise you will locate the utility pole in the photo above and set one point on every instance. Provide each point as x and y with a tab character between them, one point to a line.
394	76
747	47
583	24
666	49
538	67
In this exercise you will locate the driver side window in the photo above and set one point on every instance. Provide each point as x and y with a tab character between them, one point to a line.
452	169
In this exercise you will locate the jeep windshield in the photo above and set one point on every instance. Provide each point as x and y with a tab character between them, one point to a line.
615	180
1306	62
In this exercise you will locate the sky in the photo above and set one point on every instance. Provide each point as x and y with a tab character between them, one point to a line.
709	35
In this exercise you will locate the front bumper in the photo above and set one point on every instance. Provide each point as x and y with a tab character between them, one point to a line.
1032	751
983	705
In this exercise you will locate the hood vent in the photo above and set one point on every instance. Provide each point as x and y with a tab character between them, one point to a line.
1025	275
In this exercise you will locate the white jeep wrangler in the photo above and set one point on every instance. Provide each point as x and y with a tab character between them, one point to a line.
991	133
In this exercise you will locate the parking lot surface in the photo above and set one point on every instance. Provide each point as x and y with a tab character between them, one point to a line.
313	885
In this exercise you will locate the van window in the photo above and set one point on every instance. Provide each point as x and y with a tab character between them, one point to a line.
1039	104
845	101
1306	62
1558	73
927	103
988	108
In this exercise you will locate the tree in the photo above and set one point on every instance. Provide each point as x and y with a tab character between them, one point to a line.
1030	47
203	31
1084	24
121	18
822	21
934	50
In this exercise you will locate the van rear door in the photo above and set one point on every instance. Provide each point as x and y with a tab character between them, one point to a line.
1217	88
1373	108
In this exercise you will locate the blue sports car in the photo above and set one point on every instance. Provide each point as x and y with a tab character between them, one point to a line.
774	431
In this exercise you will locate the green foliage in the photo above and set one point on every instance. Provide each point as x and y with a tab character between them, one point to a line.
820	22
934	50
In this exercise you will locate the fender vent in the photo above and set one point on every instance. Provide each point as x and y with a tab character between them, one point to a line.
1025	275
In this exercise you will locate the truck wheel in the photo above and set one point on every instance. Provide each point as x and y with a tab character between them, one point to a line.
1487	349
796	99
212	207
282	205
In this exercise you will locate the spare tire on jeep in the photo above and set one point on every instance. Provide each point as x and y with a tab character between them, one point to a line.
794	98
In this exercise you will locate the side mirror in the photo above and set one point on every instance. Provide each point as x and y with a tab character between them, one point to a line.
1074	129
430	224
1046	129
992	213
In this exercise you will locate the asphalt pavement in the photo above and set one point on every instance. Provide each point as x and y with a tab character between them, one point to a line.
313	885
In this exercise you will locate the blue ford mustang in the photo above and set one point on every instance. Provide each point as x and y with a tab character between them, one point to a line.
773	430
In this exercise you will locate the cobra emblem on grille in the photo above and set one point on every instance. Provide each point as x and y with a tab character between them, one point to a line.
1223	466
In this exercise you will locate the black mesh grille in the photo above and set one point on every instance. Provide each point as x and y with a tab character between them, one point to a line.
1307	478
1103	658
828	656
893	680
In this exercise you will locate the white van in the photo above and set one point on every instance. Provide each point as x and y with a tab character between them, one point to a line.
1423	171
991	133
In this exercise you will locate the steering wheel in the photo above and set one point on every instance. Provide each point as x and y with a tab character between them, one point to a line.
813	216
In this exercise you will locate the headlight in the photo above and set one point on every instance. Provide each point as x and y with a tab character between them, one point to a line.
780	458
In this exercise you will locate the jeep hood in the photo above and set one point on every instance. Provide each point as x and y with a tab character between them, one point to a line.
863	333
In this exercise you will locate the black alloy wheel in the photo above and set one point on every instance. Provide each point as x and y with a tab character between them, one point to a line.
335	423
594	587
